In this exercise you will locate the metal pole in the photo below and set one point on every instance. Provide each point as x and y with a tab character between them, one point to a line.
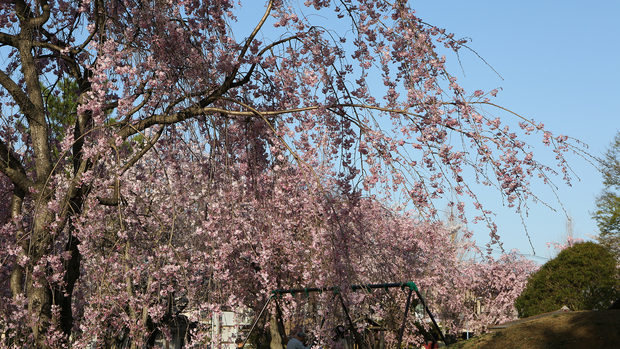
402	328
432	318
256	321
335	288
280	323
358	340
411	285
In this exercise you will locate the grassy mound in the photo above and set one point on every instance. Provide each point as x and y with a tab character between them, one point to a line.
578	329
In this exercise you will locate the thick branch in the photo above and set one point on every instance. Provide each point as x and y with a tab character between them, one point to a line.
38	21
142	125
7	39
201	107
61	45
24	10
195	111
114	200
25	104
12	168
36	115
53	47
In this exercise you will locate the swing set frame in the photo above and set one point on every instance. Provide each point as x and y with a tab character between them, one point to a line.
275	294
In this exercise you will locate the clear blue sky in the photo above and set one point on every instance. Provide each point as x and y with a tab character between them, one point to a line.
560	64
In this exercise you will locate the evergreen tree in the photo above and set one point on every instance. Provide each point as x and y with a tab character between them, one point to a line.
582	277
607	213
61	100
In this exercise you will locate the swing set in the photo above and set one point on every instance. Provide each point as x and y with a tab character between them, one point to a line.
277	294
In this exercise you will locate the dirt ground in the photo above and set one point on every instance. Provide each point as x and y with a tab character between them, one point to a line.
579	329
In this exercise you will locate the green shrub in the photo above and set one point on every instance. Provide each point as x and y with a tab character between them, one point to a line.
582	277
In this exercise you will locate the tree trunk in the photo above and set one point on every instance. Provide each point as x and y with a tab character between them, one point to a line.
17	274
37	288
72	271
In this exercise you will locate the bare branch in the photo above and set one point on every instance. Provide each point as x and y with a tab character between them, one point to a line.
53	47
260	25
113	201
151	143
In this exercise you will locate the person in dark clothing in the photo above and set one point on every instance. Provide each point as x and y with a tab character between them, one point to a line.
297	342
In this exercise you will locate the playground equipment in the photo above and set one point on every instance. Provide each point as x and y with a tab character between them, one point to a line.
403	285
